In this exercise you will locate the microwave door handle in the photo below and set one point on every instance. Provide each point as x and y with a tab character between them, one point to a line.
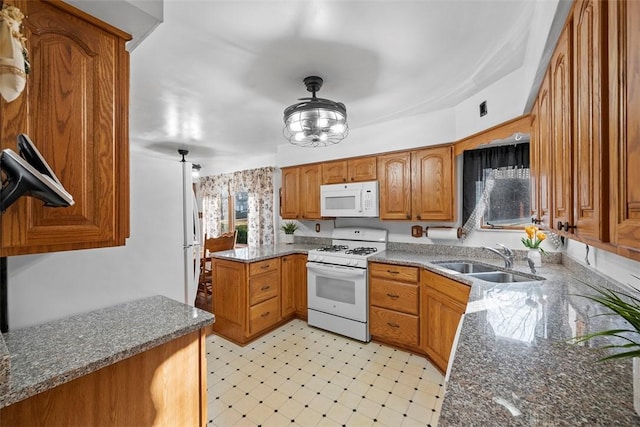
336	272
359	201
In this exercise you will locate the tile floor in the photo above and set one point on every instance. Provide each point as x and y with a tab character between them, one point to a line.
302	376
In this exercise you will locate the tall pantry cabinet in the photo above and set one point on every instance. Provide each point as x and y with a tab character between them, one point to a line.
75	109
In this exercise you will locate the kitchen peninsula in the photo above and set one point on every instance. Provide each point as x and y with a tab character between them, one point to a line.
137	363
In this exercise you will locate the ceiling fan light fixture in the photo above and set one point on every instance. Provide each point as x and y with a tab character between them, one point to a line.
315	122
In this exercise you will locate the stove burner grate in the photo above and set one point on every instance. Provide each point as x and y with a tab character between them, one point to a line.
361	251
333	248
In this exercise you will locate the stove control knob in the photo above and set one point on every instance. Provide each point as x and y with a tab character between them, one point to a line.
353	262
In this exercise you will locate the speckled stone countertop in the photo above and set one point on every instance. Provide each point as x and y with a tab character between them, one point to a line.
45	356
513	366
259	253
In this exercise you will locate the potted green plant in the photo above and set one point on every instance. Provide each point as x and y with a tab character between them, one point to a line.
289	227
626	306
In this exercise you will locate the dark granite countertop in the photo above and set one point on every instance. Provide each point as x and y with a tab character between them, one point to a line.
47	355
260	253
512	364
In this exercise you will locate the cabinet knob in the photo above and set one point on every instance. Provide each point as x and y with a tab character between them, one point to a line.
265	314
418	217
393	272
394	296
264	288
393	325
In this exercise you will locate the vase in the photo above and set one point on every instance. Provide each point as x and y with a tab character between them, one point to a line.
534	255
636	384
287	238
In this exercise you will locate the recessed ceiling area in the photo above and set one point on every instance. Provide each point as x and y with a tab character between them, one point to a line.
215	76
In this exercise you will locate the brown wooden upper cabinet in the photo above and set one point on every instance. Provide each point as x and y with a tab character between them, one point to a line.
289	193
432	184
75	109
350	170
624	125
541	157
426	174
569	148
561	147
300	192
394	176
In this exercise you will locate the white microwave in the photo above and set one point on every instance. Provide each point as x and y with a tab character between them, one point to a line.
358	199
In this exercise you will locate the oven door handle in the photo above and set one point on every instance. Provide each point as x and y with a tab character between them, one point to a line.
337	271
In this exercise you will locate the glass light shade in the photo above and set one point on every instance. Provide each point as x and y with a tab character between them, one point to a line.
309	125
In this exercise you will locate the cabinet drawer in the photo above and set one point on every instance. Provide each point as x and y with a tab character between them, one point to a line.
456	290
264	266
394	295
395	272
394	326
264	314
263	287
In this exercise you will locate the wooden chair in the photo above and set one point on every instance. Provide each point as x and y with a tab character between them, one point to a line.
225	242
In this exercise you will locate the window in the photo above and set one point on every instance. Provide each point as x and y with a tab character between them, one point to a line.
499	178
233	215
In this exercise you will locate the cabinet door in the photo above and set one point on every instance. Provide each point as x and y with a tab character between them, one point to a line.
561	108
362	169
442	316
394	174
432	184
229	298
624	125
544	153
334	172
289	193
309	192
288	285
589	145
300	285
534	162
75	109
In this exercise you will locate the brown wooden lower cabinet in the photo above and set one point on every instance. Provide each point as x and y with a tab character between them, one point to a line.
443	302
415	309
250	299
163	386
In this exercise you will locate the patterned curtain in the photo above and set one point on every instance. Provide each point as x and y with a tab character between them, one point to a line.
258	183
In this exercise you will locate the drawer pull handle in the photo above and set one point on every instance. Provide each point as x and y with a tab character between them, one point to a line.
393	325
393	272
394	296
265	314
264	288
264	267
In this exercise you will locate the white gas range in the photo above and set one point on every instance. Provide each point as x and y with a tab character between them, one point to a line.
337	281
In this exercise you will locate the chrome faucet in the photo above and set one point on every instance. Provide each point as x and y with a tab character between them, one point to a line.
507	255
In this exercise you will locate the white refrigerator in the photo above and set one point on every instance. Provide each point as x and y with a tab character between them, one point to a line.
192	235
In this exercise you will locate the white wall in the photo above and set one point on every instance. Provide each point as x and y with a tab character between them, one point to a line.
50	286
404	133
616	267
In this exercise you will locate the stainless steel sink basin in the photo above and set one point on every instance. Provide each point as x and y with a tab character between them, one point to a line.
467	267
503	277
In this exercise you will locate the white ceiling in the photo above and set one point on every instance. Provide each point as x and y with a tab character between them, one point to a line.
215	76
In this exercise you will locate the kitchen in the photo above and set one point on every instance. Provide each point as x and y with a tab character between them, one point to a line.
103	276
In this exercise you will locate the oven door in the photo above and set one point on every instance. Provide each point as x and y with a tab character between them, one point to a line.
338	290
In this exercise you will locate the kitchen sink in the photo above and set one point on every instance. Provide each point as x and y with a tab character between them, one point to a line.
503	277
467	267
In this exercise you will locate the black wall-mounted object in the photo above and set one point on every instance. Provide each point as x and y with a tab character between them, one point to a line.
30	175
483	108
4	306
